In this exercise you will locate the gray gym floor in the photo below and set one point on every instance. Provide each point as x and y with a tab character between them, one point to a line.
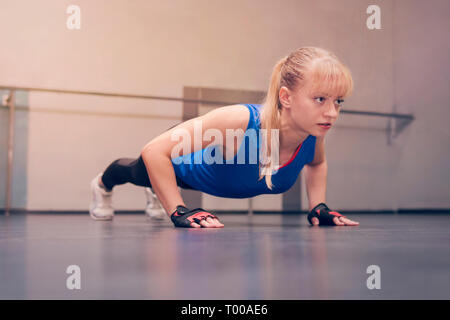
259	257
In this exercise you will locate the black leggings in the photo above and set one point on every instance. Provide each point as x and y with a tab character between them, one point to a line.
134	171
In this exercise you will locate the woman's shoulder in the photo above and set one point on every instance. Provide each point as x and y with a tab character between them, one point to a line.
236	109
237	115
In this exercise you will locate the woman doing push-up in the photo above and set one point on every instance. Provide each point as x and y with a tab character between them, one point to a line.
242	150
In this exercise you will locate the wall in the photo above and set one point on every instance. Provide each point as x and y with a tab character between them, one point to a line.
157	48
421	172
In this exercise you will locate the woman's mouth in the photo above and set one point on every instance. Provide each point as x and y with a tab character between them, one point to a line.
325	126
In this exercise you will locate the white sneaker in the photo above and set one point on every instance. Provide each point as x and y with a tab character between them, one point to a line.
101	202
154	209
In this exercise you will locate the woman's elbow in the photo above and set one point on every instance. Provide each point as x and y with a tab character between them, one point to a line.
151	152
147	151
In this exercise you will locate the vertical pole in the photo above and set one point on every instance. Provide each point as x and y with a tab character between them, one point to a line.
250	207
11	105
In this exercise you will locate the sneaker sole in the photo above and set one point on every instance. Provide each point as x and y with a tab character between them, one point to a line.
100	219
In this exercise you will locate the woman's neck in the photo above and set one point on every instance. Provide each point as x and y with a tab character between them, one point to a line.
290	135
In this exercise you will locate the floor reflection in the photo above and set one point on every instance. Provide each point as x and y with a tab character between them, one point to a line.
259	257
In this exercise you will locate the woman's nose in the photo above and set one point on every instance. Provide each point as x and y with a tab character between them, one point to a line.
331	110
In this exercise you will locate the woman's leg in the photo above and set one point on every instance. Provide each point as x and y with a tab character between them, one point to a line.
134	171
126	170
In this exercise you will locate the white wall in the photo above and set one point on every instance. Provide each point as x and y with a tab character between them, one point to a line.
422	69
157	47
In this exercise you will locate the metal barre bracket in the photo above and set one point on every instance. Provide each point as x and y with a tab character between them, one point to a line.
393	131
5	99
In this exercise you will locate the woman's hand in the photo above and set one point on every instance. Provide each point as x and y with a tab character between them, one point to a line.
322	215
182	217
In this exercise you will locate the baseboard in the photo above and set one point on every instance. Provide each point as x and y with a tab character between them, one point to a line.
422	211
291	212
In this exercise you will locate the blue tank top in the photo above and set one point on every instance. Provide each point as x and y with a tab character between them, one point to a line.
235	178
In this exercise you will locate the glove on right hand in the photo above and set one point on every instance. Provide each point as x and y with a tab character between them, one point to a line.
182	217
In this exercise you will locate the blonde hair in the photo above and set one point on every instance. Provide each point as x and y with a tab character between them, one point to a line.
328	75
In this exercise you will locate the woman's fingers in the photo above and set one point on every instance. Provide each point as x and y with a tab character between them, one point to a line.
315	221
211	221
195	225
208	223
343	221
215	223
349	222
338	222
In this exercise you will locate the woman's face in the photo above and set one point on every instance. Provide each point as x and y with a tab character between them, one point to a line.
309	107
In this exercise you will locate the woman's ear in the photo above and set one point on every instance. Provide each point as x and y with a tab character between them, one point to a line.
285	97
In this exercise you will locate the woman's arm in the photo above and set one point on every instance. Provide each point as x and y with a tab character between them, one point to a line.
316	186
316	183
316	175
162	177
157	153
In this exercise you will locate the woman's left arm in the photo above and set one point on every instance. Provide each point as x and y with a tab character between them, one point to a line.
316	188
316	183
316	175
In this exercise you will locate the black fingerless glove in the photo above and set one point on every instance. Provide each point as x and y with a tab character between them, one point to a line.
182	217
324	214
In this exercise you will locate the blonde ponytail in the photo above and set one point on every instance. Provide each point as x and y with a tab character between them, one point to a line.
270	116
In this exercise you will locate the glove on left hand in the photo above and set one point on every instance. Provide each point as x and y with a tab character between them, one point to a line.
324	214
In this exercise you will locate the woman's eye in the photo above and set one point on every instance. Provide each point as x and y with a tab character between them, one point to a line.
339	101
318	99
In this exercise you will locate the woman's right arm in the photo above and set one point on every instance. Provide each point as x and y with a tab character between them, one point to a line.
157	153
162	177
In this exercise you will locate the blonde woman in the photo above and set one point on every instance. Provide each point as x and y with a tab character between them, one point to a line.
284	134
